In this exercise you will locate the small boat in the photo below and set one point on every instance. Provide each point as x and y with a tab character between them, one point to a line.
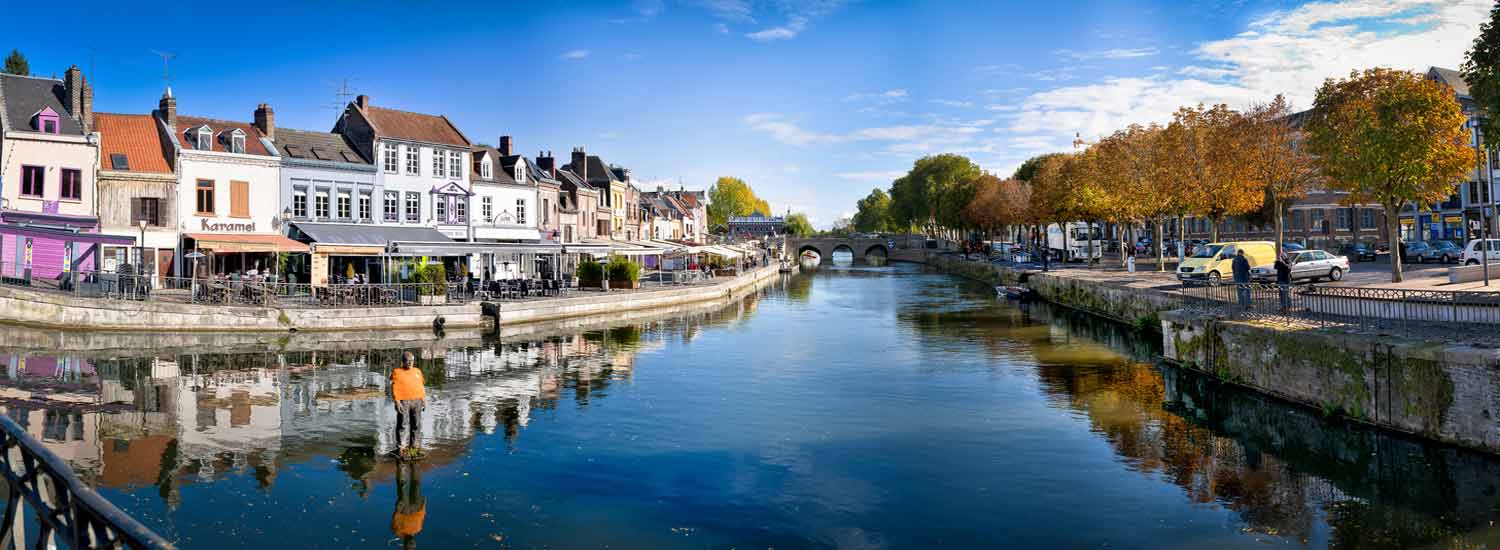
1013	292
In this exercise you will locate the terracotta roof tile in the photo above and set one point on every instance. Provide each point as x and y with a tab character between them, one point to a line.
415	126
134	136
187	124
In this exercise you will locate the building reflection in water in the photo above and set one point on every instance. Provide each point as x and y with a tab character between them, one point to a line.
171	420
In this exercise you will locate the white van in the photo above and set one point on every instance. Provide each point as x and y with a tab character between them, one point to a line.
1473	254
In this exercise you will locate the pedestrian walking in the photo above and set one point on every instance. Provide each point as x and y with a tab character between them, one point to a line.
1241	266
1284	281
408	390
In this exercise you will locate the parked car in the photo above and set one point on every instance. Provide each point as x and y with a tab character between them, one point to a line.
1291	247
1442	252
1412	251
1361	252
1473	254
1214	261
1307	265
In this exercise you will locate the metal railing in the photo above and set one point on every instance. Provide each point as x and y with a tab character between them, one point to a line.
247	291
1384	310
67	512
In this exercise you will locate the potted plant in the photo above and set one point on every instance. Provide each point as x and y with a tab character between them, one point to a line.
590	274
623	273
432	287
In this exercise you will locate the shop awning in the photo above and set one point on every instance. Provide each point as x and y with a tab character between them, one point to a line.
232	243
593	247
350	234
26	230
722	252
636	248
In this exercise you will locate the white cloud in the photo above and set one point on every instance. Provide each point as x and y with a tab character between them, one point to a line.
1053	75
575	55
648	8
790	30
953	103
791	168
1288	52
738	11
721	28
1115	53
888	96
786	132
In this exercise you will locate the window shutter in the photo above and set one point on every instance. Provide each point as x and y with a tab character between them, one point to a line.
239	201
135	210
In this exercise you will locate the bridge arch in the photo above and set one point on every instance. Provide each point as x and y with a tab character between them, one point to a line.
843	247
814	250
877	250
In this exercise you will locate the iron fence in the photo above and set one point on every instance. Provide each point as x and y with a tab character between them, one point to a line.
1385	310
246	290
67	512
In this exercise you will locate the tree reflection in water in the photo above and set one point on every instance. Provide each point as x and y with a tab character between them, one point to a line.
1284	470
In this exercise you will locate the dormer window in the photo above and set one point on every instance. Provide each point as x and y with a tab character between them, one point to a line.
45	121
205	139
236	141
520	172
484	168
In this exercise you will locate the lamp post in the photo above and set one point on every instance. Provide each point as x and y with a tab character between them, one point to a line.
286	216
1487	192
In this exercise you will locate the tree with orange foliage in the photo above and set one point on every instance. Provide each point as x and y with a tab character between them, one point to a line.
1390	137
1276	158
1208	154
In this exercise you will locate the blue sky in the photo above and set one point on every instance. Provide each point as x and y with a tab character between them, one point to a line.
813	103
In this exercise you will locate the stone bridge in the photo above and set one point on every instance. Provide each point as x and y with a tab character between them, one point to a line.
824	247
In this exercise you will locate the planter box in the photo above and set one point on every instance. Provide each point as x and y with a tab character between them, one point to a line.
590	284
624	284
432	300
725	272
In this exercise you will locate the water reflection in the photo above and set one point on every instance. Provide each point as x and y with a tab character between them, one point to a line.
705	429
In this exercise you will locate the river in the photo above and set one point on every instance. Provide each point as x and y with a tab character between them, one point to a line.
853	407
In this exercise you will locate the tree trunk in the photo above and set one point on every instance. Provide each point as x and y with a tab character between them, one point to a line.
1392	226
1280	227
1157	235
1182	237
1213	231
1064	229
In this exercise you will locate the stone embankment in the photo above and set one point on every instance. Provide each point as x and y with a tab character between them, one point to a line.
1446	391
61	311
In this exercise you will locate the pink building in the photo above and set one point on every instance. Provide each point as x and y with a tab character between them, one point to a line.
49	221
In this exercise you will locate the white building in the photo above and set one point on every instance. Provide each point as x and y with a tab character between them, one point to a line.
228	194
507	211
421	162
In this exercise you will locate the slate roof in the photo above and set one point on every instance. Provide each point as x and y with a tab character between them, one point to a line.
323	146
566	175
136	138
497	172
410	126
187	131
537	172
1452	78
24	96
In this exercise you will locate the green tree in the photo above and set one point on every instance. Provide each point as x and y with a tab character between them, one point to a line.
1027	171
15	63
797	224
934	193
873	213
731	197
1482	72
1392	138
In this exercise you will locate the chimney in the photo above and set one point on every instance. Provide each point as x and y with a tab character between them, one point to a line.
505	146
581	163
167	108
88	106
73	86
265	121
546	163
362	100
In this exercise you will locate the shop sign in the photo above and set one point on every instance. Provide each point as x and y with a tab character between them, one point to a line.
228	227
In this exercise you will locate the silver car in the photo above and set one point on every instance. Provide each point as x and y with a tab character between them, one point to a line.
1307	265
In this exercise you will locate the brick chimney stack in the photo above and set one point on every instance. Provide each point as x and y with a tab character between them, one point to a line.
362	100
505	146
547	163
79	99
581	163
167	108
265	121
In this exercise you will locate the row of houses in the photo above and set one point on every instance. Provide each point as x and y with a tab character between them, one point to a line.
1326	219
167	193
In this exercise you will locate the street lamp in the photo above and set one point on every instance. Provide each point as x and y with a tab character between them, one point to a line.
1487	191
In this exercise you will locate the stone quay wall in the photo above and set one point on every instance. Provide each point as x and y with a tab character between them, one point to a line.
31	308
1442	391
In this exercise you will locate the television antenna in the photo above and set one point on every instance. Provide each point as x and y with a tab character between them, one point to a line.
166	66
